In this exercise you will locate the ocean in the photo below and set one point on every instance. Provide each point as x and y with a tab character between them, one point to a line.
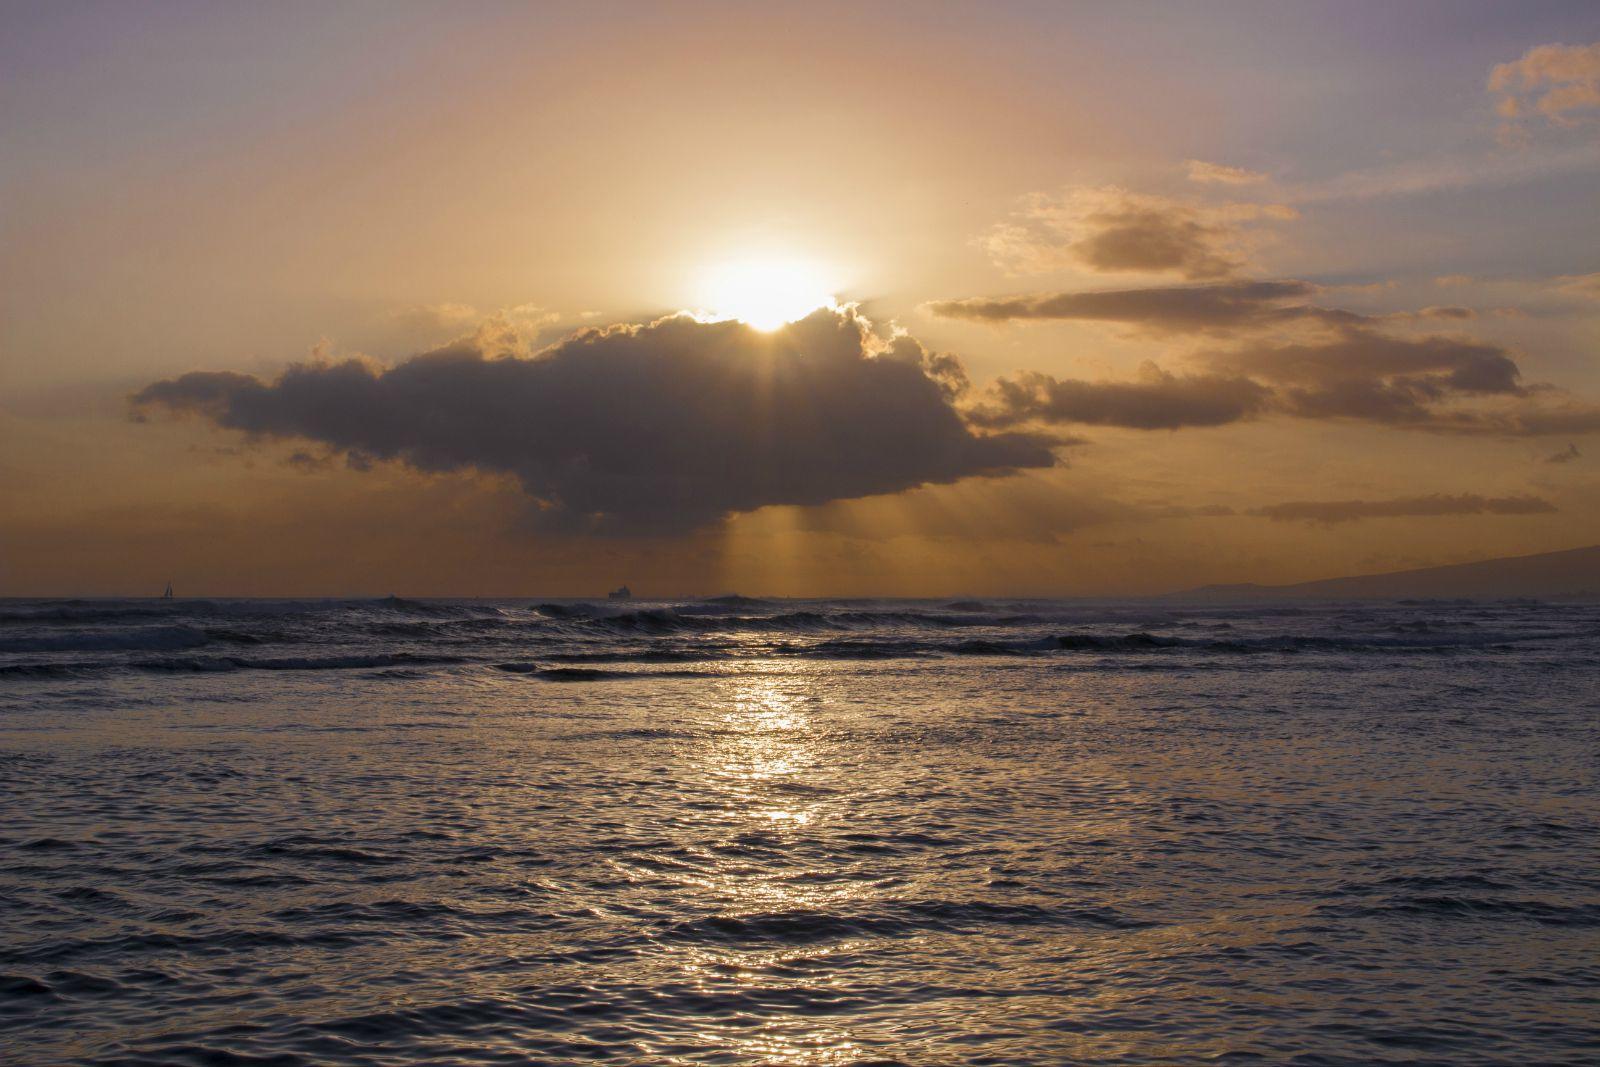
740	831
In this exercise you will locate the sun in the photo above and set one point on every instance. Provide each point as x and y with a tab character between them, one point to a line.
766	293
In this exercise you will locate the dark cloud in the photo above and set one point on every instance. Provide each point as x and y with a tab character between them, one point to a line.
1428	366
668	425
1155	401
1338	365
1154	240
1334	511
1215	307
1111	229
1286	356
1345	369
1351	370
1183	308
1363	373
1534	418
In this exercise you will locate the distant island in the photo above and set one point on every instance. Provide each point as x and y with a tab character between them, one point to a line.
1570	575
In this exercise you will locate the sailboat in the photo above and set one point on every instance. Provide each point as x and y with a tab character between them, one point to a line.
168	594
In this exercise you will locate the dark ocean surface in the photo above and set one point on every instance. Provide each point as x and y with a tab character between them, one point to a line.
798	832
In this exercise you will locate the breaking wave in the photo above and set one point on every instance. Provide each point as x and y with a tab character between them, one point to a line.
57	639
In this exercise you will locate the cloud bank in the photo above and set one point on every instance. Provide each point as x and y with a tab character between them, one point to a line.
1336	511
1155	401
1172	309
1436	384
668	425
1274	353
1363	373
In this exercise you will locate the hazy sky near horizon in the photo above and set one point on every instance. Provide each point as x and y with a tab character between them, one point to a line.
1129	297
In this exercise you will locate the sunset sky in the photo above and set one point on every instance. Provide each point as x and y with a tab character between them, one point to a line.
371	298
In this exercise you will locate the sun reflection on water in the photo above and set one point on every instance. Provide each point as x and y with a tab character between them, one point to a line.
763	751
767	769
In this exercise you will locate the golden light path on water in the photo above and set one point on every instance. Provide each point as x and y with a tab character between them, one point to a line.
762	760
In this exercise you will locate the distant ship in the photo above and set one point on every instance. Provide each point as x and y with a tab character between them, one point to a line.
168	594
622	592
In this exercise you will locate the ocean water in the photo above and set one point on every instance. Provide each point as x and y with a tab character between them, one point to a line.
754	832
